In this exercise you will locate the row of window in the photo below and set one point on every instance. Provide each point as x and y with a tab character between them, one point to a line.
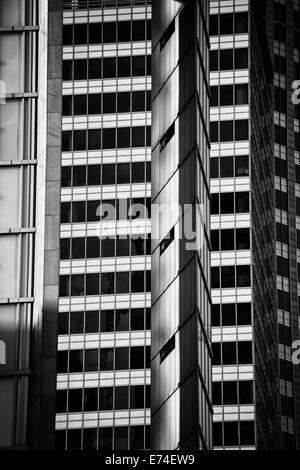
229	95
108	209
102	399
135	319
227	353
228	59
233	433
121	282
108	174
78	360
229	203
94	247
228	23
105	438
231	314
232	393
96	139
229	167
230	276
107	67
107	103
230	239
106	32
227	131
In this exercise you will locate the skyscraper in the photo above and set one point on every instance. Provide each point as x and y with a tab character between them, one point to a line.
244	330
181	351
103	368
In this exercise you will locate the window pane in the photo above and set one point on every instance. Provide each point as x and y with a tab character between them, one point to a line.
241	130
80	33
80	69
226	95
138	66
109	32
138	172
227	240
107	320
75	361
124	31
92	321
241	94
123	102
92	284
243	276
228	314
94	102
228	276
109	67
138	101
226	131
226	167
79	175
91	359
121	358
241	58
95	33
138	30
121	398
123	135
94	175
137	319
107	283
137	281
122	282
123	66
226	23
109	138
105	398
227	203
94	68
138	136
76	322
122	320
241	166
106	359
229	353
121	438
226	59
137	357
109	103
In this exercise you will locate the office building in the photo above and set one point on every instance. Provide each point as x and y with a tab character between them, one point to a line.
244	331
103	358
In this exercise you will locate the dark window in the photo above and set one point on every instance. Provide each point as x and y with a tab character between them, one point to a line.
109	67
65	248
105	438
241	130
63	323
67	34
75	361
123	137
137	357
227	240
137	281
138	66
107	320
138	101
94	104
62	362
214	25
91	359
227	203
121	398
121	438
229	393
214	168
92	284
74	439
124	102
241	23
241	58
107	283
229	353
213	61
226	59
106	359
231	435
80	69
109	138
228	314
217	393
89	439
122	320
61	401
137	319
245	352
226	131
226	167
93	247
214	96
138	136
76	322
105	398
75	400
241	202
167	349
121	358
94	69
66	141
241	166
79	140
79	175
109	32
214	131
138	30
247	432
122	282
226	95
167	34
80	33
68	70
95	33
67	108
242	239
226	23
241	94
227	276
217	434
123	67
92	321
245	392
124	31
243	276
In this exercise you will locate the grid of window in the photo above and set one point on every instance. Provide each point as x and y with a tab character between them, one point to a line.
108	209
231	314
229	167
94	247
226	131
228	59
229	95
87	360
107	67
121	282
106	32
230	239
104	438
234	433
228	203
228	353
230	276
96	139
104	321
103	399
108	174
228	23
232	392
107	103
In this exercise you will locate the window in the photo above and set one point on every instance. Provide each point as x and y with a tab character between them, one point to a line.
226	167
241	94
167	349
241	23
138	66
137	357
167	241
138	30
109	103
241	202
226	59
105	398
227	240
241	166
241	130
243	276
226	95
244	352
167	35
226	23
121	358
227	276
80	33
121	398
95	33
124	31
241	58
226	131
123	66
227	203
95	69
230	393
80	69
109	32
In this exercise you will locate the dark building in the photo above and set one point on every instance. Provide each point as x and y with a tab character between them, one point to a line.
244	330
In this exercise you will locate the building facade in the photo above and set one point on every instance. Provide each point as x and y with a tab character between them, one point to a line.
29	241
181	351
103	358
285	44
244	330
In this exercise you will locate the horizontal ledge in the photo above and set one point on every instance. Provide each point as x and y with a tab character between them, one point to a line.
20	28
17	300
18	162
8	231
19	95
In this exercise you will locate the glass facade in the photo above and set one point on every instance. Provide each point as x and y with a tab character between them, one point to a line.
104	321
180	351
